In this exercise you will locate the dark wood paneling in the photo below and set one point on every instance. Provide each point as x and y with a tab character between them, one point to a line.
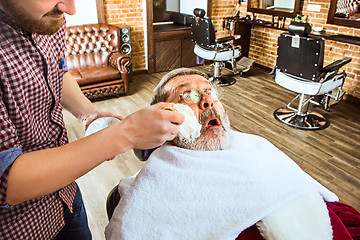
171	34
100	11
167	55
244	30
188	57
150	36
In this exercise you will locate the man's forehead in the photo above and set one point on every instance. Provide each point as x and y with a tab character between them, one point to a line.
188	80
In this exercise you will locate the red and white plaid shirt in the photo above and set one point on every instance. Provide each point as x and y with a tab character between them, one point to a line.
31	74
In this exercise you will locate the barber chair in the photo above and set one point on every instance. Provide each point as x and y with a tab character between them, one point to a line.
112	201
299	68
219	50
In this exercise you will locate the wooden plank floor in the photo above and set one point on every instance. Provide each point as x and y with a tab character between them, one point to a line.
330	155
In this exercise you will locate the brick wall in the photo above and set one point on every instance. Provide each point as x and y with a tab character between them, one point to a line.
263	41
129	13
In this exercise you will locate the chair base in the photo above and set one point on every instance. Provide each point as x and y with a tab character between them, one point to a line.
310	121
223	81
240	66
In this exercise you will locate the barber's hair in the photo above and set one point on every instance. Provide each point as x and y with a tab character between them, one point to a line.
159	94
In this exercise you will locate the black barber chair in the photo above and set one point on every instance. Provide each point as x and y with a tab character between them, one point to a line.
219	50
299	68
112	201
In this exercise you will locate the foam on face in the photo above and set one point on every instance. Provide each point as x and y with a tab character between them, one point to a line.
190	129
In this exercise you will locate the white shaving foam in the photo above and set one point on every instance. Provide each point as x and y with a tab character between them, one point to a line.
190	129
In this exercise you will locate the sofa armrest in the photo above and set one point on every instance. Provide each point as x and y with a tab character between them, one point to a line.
119	61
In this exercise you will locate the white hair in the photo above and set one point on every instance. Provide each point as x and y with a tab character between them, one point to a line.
160	93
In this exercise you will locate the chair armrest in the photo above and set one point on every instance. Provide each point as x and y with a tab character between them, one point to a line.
119	61
224	39
143	155
112	201
336	65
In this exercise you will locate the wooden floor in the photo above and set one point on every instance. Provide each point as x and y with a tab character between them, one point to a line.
331	155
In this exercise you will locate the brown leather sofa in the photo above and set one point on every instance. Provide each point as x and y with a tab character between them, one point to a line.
94	59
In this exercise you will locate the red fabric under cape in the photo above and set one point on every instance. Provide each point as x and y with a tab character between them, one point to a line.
345	221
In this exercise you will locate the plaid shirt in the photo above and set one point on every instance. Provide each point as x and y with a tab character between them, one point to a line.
31	74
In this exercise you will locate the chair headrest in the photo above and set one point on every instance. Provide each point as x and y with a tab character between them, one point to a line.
199	12
299	28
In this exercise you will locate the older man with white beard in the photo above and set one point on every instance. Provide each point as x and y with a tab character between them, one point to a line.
191	88
210	182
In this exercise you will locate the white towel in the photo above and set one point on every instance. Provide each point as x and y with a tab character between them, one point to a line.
186	194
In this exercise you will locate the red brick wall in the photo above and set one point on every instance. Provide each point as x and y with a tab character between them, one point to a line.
129	13
263	41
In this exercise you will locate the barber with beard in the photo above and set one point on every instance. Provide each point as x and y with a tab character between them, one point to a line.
38	196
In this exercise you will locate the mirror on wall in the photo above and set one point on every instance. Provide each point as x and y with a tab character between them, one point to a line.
284	8
164	9
344	13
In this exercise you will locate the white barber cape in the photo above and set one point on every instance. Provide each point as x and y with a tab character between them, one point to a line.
186	194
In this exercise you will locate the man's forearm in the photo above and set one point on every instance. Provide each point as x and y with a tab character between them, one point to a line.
42	172
74	100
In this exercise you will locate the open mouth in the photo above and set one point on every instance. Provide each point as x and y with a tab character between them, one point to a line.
213	122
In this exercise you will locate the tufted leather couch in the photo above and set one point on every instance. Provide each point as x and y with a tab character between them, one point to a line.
94	59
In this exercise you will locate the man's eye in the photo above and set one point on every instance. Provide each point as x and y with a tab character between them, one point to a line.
186	96
212	92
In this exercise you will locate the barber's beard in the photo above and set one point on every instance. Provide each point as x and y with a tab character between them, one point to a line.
220	137
40	26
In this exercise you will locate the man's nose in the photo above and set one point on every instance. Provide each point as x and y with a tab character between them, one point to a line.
67	6
207	101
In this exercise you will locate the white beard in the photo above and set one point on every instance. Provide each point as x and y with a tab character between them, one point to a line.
191	133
